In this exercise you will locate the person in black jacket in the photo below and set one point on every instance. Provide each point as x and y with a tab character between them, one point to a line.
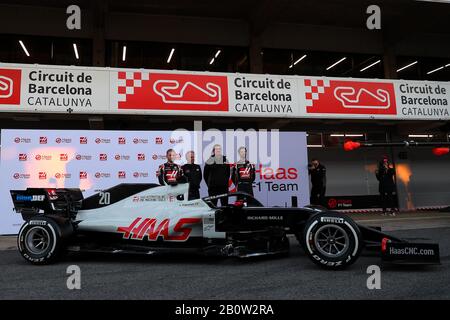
170	173
386	176
243	173
217	174
318	174
193	174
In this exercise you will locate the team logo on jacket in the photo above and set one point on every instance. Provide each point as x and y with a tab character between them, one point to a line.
244	173
170	91
349	97
151	229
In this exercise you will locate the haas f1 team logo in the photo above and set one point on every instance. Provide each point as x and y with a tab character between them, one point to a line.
10	86
349	97
151	229
169	91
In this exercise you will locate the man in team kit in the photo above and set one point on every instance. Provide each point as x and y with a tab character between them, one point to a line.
170	173
193	174
216	173
243	173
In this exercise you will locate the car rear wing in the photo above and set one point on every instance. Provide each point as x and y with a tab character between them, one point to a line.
33	201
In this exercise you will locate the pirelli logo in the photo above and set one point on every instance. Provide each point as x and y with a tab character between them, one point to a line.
332	220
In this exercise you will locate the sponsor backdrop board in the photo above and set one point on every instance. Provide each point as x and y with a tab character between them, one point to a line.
35	88
97	160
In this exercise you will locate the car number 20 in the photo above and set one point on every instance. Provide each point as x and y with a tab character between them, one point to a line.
105	198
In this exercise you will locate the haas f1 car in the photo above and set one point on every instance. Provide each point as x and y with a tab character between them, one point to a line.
149	218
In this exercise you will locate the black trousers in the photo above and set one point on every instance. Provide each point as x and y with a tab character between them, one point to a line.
194	193
387	200
318	195
245	187
214	191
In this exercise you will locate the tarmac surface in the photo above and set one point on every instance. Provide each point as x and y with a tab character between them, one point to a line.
196	277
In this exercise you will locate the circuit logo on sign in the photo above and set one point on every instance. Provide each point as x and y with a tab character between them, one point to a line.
168	91
10	86
349	97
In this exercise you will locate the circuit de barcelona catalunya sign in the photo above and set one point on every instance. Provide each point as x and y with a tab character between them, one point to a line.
35	88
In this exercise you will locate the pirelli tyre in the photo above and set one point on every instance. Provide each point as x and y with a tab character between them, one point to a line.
40	240
332	241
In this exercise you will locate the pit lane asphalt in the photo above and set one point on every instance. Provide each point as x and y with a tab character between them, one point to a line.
197	277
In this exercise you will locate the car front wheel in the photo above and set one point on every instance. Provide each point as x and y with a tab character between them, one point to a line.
331	240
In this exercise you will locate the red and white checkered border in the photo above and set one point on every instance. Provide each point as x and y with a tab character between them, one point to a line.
128	81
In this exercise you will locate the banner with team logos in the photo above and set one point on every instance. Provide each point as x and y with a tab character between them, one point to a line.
34	88
97	160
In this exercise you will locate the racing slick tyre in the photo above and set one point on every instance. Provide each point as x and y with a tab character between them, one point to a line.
331	241
40	240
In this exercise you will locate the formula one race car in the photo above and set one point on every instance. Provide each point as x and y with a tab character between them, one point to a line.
148	218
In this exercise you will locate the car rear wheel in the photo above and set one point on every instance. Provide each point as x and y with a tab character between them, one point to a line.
331	241
39	240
